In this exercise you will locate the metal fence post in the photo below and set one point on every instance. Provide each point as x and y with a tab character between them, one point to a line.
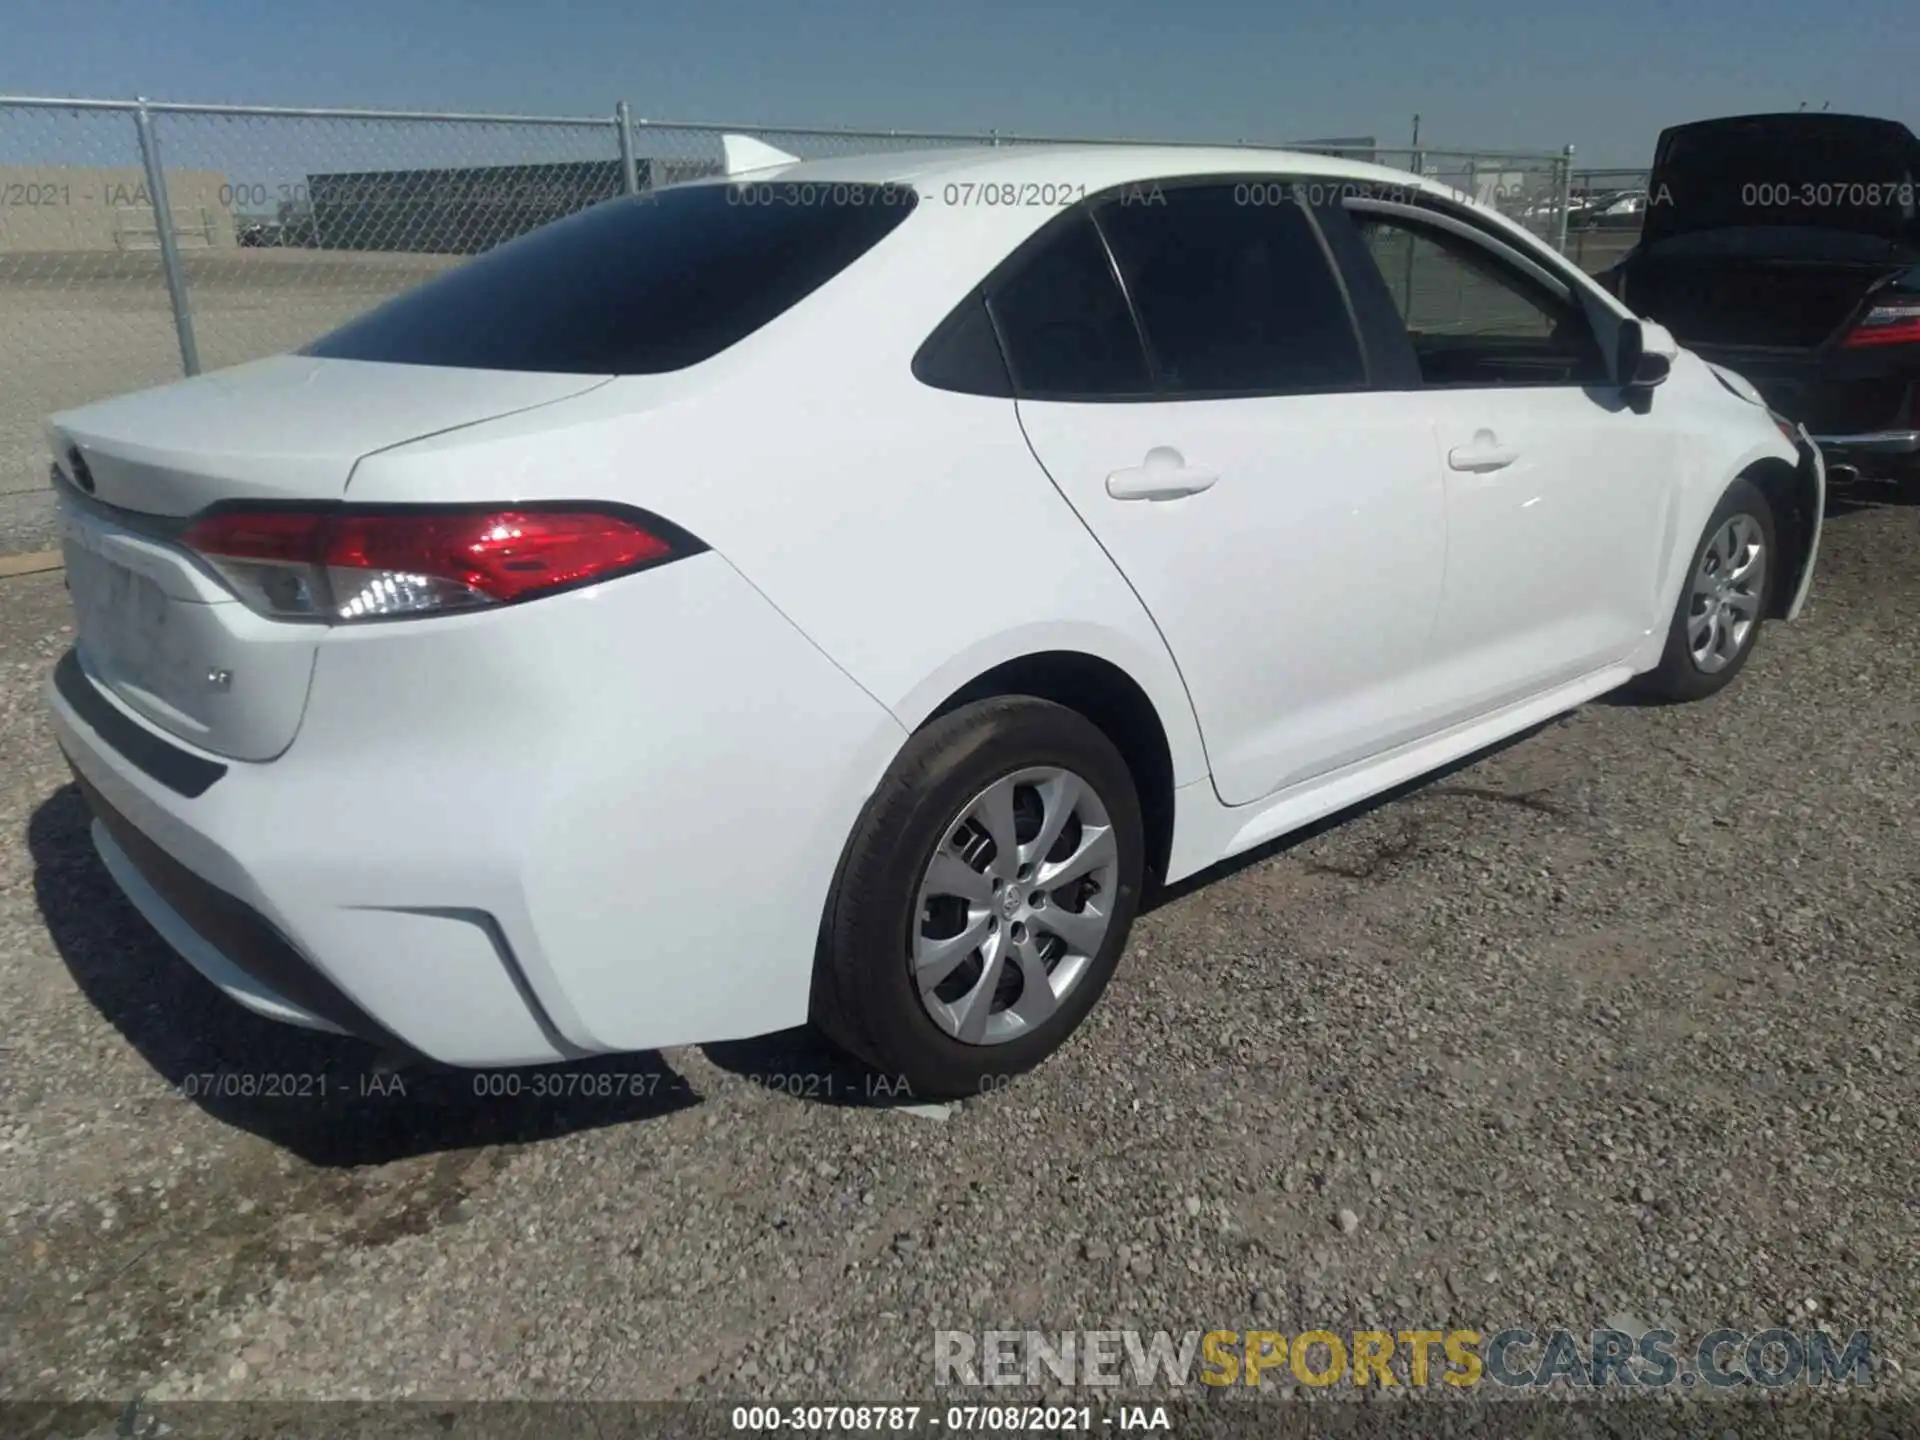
1418	161
1584	180
629	170
163	225
1565	207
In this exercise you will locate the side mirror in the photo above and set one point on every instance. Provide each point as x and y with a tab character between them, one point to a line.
1636	366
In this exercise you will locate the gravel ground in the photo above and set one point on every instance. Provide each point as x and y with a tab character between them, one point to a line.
1616	1022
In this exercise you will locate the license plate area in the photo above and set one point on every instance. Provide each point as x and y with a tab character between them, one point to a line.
162	638
125	621
122	614
144	633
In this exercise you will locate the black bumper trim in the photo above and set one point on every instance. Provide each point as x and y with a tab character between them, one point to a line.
240	933
1886	442
179	770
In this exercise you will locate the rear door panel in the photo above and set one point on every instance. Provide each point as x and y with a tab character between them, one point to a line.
1297	593
1296	579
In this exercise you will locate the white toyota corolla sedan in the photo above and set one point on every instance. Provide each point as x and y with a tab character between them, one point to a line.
841	590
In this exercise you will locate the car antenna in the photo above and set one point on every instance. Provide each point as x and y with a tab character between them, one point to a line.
743	155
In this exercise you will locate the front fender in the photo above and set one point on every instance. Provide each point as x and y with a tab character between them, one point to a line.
1813	466
1736	383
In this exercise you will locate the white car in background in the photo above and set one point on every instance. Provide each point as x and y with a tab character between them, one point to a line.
842	591
1625	211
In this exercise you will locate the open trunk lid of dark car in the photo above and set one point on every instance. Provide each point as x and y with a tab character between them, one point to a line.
1846	173
1768	230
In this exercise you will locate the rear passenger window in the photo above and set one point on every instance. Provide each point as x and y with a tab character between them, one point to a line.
634	286
1234	291
1064	323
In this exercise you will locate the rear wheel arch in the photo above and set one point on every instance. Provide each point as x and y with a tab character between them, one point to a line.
1795	498
1116	704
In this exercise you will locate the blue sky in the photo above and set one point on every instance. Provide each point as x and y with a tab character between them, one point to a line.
1604	77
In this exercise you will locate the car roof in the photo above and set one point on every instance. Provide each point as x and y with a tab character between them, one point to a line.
1808	121
1097	167
1104	167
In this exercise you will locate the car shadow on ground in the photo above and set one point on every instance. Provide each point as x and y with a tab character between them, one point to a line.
329	1099
803	1064
1433	784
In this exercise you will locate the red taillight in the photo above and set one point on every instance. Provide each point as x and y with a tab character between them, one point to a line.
1895	323
364	564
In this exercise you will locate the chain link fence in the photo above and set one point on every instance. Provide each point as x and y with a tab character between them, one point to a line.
142	241
84	307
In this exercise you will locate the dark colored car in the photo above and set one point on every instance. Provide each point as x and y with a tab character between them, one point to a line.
1786	247
276	234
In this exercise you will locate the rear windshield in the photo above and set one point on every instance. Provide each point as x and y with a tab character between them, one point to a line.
1823	172
635	286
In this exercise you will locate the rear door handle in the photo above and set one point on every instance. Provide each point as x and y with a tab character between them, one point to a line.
1164	475
1484	454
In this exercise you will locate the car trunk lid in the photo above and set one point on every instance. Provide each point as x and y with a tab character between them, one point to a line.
1767	231
158	632
288	427
1846	173
1749	300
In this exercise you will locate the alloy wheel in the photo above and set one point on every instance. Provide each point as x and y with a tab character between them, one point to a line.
1727	590
1014	905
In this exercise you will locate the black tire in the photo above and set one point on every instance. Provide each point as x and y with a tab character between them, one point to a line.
1906	479
865	998
1679	677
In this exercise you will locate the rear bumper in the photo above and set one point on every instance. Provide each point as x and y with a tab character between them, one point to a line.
1881	442
1851	401
605	821
226	940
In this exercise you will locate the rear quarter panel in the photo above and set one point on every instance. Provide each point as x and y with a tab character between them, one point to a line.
907	531
645	784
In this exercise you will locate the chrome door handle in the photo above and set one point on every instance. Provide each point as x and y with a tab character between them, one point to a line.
1164	475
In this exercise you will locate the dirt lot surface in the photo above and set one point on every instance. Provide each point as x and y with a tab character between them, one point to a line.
1616	1024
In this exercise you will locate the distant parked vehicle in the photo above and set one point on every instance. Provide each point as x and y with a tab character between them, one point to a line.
275	234
1625	210
1786	247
